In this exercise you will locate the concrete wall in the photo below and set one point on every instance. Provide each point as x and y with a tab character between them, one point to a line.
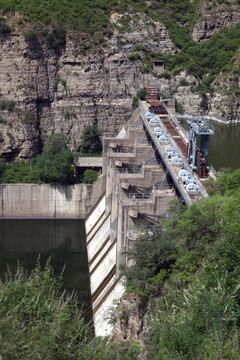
104	285
89	162
49	201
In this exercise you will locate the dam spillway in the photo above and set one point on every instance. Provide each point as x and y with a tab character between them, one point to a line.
137	183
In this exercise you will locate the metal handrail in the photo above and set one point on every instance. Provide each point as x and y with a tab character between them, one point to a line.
121	150
137	126
174	118
107	135
160	187
127	171
185	195
142	142
139	196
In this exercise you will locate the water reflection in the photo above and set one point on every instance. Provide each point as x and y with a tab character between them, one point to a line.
224	145
62	240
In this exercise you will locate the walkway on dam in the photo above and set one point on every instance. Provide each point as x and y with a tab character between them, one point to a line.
177	139
141	181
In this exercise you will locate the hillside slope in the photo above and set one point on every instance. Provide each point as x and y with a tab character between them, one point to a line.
64	68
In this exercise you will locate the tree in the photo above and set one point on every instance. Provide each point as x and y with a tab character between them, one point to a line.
2	166
55	143
91	143
55	164
90	176
39	320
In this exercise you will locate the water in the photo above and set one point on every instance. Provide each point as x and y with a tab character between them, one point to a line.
62	240
224	145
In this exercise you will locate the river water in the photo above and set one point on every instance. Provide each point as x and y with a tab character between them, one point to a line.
224	145
62	240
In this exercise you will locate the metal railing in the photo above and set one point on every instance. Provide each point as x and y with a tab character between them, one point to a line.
182	190
152	161
121	150
142	142
161	187
174	119
134	127
127	171
140	196
108	135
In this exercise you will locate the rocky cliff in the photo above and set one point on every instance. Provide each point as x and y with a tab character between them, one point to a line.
44	91
213	20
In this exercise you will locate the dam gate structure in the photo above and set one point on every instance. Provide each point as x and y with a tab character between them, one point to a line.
141	179
144	167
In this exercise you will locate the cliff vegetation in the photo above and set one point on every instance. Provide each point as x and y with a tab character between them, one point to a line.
39	320
71	64
56	162
185	280
186	277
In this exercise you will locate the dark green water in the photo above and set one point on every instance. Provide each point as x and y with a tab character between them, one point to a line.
224	146
62	240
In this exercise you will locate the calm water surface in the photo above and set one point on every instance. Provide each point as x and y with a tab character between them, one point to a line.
62	240
224	146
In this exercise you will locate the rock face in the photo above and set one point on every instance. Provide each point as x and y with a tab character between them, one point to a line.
130	322
215	20
43	92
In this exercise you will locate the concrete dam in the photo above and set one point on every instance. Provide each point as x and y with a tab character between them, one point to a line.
139	179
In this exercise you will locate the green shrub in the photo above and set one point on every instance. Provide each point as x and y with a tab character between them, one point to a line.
4	28
145	70
183	82
165	75
204	102
7	105
56	39
179	108
141	94
40	320
140	47
134	57
54	165
90	176
63	82
30	35
237	92
135	102
91	143
2	166
28	118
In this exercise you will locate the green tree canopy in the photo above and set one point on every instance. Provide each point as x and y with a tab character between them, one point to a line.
39	320
191	262
2	166
91	143
90	176
55	164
